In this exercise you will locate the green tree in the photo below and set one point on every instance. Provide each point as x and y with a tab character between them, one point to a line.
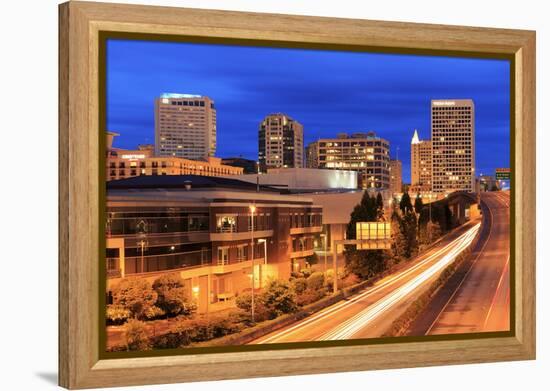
409	229
418	204
405	204
366	210
398	238
379	207
136	295
366	264
172	295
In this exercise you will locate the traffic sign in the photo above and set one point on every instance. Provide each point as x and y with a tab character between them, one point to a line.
502	174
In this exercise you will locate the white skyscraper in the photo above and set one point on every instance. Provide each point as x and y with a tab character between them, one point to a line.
453	145
185	126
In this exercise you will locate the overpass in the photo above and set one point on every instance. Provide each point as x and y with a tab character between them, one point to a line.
464	206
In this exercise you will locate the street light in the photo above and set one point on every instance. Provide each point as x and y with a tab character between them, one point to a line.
252	210
142	244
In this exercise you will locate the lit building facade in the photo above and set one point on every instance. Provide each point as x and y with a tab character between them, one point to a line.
488	183
185	126
205	230
312	155
453	145
365	153
421	165
396	176
296	179
123	163
280	142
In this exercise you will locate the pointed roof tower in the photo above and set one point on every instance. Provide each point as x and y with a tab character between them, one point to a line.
415	139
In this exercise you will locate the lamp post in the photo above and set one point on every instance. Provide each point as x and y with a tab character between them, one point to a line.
142	245
252	210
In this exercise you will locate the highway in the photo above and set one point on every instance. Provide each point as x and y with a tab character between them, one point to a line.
481	302
370	313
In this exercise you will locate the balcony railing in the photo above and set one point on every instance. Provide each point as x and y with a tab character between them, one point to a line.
226	229
114	273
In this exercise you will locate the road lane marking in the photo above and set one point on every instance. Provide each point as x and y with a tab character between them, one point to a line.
463	278
336	308
359	321
496	291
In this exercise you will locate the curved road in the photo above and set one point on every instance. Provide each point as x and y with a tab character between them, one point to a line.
370	313
481	302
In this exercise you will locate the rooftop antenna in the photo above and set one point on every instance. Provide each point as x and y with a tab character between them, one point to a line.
397	153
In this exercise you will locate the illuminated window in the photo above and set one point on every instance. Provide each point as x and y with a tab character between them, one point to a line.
226	223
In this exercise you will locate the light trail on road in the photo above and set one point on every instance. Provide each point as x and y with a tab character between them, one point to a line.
318	320
481	301
359	321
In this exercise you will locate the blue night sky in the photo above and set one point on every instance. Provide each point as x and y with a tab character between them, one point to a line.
327	91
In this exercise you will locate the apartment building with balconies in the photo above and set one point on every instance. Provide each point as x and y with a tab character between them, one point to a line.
211	231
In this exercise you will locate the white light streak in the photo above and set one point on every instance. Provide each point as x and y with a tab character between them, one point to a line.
355	324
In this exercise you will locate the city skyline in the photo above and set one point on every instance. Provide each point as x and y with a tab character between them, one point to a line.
327	91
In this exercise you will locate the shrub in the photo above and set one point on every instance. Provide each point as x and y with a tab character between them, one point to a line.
350	280
136	295
299	285
153	312
308	297
180	335
244	302
135	335
117	314
316	281
279	298
172	297
203	328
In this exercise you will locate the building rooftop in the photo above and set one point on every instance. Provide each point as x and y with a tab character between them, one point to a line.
415	139
180	182
371	135
173	95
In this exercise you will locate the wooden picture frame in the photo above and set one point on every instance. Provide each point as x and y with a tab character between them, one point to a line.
81	23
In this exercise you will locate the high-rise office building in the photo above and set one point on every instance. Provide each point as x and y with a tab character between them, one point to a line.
280	142
312	158
396	176
453	145
365	153
421	165
185	126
